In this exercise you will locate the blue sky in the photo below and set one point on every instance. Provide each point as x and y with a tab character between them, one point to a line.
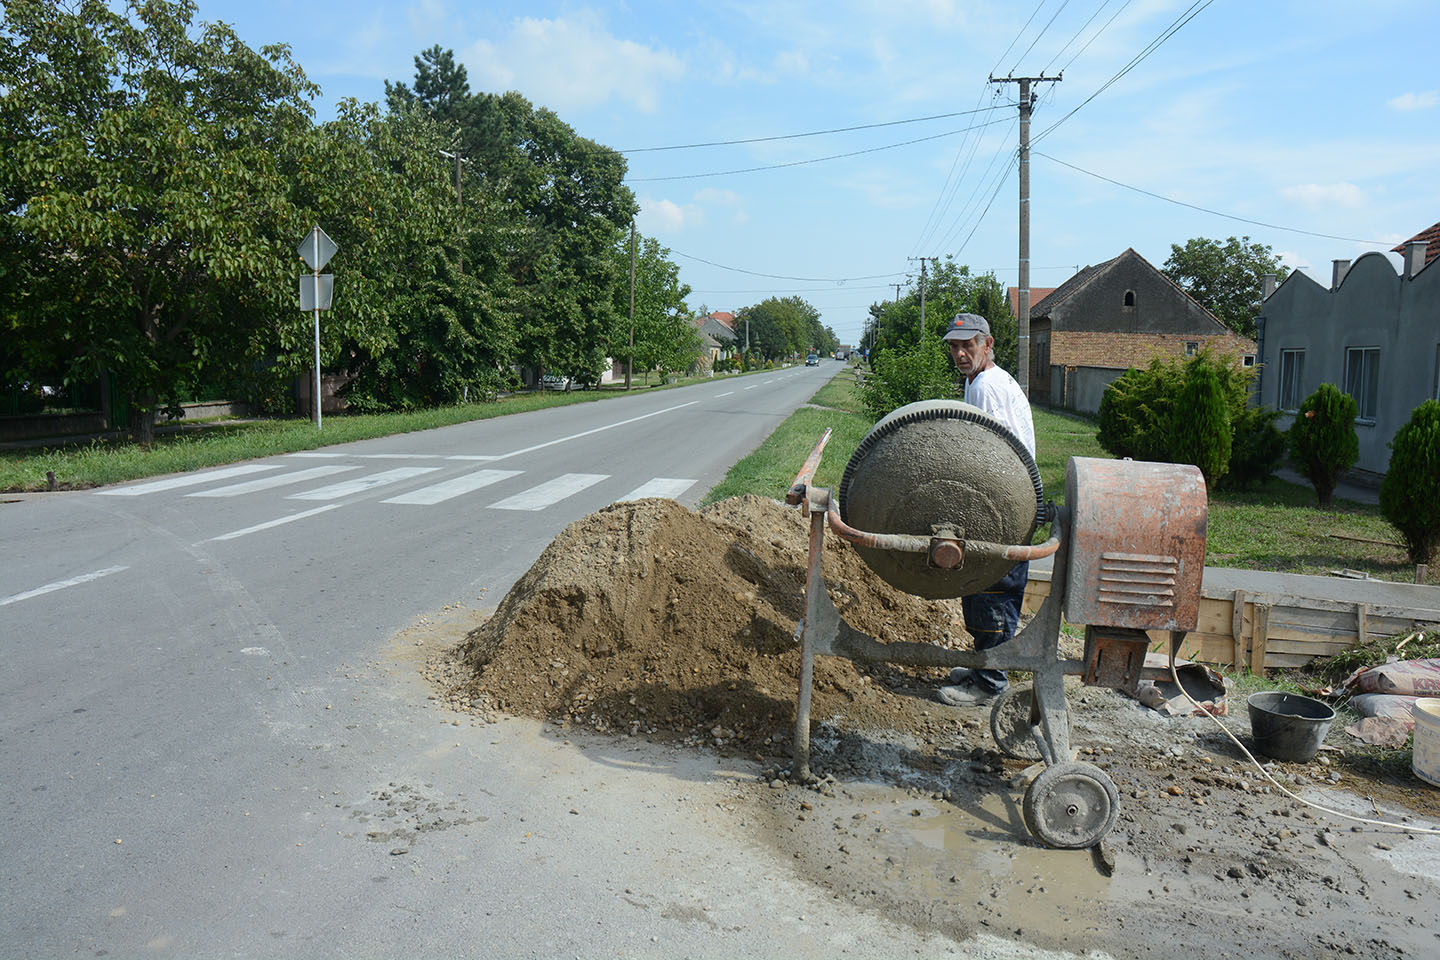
1314	117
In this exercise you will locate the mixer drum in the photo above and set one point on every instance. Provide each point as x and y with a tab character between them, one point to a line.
941	462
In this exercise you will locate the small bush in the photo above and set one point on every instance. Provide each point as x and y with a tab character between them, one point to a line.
1322	439
1410	493
1199	425
1257	449
899	376
1178	410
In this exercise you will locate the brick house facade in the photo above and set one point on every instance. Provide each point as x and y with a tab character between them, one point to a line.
1110	317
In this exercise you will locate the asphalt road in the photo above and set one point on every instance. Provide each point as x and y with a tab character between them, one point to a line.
209	737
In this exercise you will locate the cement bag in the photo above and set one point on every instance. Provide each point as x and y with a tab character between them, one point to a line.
1407	678
1385	705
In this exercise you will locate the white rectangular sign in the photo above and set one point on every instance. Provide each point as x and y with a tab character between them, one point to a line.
316	292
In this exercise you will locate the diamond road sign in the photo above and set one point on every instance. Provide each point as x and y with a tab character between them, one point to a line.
317	248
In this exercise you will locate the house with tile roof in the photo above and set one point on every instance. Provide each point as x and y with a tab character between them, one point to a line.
1374	333
1110	317
717	338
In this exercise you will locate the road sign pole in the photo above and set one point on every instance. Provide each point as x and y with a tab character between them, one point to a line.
319	407
316	298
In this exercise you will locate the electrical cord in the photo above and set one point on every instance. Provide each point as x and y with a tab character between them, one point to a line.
1175	678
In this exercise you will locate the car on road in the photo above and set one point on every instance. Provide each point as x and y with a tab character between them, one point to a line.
812	361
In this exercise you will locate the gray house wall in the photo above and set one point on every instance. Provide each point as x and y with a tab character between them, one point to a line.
1370	306
1160	307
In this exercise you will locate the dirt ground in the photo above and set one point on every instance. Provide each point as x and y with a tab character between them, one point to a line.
650	620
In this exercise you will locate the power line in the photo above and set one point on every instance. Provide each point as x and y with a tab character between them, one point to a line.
813	133
801	163
947	195
776	276
1217	213
1096	35
1043	30
1191	12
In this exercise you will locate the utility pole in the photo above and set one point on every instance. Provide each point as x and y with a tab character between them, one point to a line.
922	289
630	357
459	210
1027	103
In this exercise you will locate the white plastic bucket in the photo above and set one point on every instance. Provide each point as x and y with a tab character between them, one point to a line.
1425	759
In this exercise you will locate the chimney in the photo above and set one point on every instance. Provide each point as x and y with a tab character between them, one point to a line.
1337	273
1267	286
1414	257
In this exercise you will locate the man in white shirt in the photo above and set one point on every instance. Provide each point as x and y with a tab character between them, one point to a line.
992	615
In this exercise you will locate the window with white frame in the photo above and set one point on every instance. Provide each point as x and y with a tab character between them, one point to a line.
1292	372
1362	379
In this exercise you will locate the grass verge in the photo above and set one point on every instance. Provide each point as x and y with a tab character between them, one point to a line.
192	446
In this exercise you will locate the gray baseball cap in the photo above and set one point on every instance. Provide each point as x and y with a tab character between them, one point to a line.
965	326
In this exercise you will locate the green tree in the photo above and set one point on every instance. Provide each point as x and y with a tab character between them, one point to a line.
665	337
1410	492
781	327
1322	439
146	166
410	325
1224	278
950	288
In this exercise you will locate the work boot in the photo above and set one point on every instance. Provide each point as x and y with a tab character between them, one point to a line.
967	693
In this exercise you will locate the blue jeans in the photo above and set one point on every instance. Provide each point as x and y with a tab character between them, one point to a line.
991	617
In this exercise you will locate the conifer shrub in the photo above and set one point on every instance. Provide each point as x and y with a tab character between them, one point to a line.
1198	428
1257	448
1322	439
1410	493
1189	410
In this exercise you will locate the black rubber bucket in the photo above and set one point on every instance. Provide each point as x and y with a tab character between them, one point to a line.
1287	726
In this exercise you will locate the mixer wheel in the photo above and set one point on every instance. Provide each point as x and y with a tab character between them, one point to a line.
1010	724
1071	805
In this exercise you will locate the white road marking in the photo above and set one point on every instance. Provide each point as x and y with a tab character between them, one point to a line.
726	394
61	585
476	457
187	480
398	456
454	488
360	484
270	482
552	491
236	534
752	386
586	433
659	487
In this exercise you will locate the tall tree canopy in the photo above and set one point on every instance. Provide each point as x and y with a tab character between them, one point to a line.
1224	278
146	161
950	288
781	327
665	338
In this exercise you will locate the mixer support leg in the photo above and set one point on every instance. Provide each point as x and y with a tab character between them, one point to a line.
814	591
1053	735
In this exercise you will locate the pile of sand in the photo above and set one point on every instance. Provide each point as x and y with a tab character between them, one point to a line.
648	617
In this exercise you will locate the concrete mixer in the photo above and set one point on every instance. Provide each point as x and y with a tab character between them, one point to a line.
941	500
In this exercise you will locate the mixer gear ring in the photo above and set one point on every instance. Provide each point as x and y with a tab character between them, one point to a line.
1071	805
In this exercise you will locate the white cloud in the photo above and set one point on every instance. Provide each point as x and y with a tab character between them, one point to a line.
1320	196
666	216
1414	101
659	215
571	64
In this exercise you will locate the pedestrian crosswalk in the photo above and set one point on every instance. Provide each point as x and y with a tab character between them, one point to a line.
422	486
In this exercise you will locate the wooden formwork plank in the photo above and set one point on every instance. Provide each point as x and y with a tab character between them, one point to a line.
1237	629
1258	638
